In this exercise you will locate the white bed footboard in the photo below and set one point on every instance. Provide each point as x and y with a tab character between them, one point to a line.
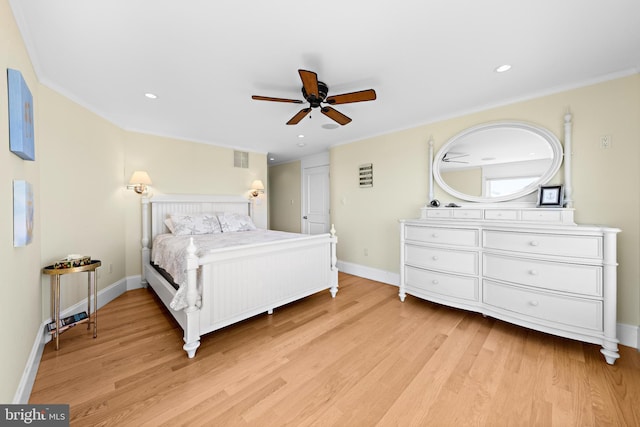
232	284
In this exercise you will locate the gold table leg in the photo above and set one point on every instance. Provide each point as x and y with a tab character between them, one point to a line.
93	276
55	289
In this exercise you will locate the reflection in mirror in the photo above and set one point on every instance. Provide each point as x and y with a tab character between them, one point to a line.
497	161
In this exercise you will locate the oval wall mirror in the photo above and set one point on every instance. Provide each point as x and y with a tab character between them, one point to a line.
497	161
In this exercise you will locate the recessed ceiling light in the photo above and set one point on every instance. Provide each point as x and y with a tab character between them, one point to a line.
503	68
151	95
301	136
300	144
272	159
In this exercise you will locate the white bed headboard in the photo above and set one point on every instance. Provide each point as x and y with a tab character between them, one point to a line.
164	205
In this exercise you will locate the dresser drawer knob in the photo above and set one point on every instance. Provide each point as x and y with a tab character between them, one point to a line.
435	281
533	272
533	303
435	257
534	243
434	235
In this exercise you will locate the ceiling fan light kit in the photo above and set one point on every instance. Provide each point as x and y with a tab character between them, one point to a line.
315	93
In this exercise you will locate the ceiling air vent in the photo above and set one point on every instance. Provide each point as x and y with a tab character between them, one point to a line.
241	159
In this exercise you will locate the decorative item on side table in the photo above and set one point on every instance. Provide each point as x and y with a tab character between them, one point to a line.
73	264
550	196
73	260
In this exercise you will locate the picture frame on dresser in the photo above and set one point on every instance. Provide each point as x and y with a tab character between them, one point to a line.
550	196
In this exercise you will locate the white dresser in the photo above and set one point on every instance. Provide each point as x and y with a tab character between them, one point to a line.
535	269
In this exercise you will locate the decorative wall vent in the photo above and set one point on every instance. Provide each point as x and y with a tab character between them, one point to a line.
241	159
366	175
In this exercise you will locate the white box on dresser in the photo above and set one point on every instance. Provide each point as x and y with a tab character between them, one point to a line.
532	267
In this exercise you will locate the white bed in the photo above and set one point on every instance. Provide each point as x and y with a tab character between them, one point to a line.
221	285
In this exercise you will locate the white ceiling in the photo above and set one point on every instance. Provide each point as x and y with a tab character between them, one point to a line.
426	59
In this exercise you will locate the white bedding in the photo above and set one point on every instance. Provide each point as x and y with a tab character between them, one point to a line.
169	251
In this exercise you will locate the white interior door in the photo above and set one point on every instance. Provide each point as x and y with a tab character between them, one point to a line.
315	198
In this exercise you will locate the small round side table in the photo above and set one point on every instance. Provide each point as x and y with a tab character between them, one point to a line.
92	285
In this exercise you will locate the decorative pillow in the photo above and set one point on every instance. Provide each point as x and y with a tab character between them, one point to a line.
235	222
169	225
203	223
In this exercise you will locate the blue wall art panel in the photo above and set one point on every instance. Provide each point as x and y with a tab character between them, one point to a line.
21	140
22	213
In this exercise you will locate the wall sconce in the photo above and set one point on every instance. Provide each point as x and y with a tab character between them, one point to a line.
257	188
139	181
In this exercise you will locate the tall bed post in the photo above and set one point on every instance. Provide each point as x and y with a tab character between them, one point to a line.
146	254
334	261
192	330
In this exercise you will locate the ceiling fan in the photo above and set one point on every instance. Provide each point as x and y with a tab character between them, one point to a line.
451	156
315	92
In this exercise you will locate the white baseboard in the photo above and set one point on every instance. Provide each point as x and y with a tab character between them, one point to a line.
30	370
628	335
369	273
105	296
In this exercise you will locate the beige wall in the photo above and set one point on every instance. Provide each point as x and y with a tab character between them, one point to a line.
606	182
82	166
284	197
20	308
81	195
184	167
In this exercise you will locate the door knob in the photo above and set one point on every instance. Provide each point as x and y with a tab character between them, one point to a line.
304	217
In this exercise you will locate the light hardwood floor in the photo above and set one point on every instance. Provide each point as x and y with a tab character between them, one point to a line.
362	359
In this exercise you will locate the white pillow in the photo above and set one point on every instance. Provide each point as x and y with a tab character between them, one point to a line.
202	223
235	222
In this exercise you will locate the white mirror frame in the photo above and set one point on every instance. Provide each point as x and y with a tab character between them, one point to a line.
553	141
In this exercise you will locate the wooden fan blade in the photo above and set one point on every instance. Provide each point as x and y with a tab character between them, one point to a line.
335	115
309	82
345	98
299	116
268	98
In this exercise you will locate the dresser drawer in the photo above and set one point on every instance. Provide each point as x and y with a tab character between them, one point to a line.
546	244
438	213
443	236
541	215
581	313
441	283
578	279
467	213
442	259
501	214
